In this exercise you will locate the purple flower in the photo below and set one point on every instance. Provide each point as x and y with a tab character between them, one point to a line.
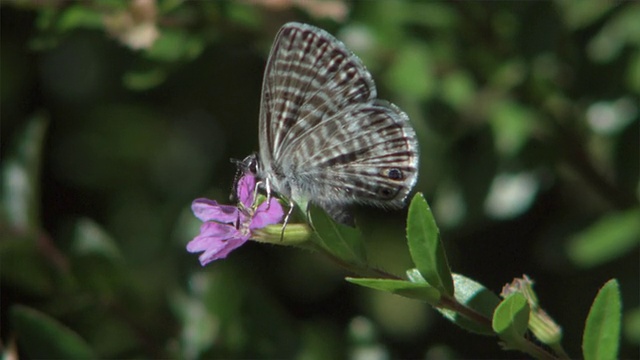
227	227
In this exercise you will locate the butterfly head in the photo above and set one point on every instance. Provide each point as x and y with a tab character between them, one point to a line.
249	165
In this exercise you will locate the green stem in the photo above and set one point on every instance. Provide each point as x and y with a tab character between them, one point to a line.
534	350
558	349
362	270
526	346
450	303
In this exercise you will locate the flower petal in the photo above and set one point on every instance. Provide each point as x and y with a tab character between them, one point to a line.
267	214
211	233
216	240
246	189
231	244
210	210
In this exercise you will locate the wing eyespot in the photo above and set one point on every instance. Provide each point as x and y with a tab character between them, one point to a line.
394	174
387	192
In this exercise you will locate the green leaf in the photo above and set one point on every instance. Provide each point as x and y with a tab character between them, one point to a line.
602	332
21	177
511	319
472	295
420	291
425	246
42	337
341	241
607	239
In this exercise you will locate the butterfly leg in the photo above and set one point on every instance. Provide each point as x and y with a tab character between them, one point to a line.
267	187
286	219
309	220
255	194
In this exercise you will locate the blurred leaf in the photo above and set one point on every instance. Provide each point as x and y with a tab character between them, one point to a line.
249	322
612	117
319	341
511	319
632	326
167	6
21	177
200	329
343	242
442	352
607	239
385	19
511	195
601	337
419	291
633	80
42	337
97	261
144	79
46	17
474	296
91	238
621	31
410	73
364	340
425	246
512	125
508	76
80	15
245	14
23	267
174	45
458	89
579	14
432	14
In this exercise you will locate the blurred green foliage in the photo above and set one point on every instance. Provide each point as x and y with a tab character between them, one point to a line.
117	114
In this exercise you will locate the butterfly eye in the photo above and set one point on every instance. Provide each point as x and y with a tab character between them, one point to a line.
253	166
249	165
394	174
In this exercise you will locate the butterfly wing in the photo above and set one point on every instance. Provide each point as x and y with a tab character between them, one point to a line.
323	135
310	76
368	154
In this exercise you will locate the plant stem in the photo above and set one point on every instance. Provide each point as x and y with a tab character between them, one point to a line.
451	303
534	350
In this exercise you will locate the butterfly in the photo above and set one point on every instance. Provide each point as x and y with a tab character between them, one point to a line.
324	137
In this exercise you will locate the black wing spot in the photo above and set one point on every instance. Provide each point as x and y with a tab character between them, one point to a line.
394	174
385	192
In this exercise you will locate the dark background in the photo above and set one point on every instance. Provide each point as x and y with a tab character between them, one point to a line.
527	117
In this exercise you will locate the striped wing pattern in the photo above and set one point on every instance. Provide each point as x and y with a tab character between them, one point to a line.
324	137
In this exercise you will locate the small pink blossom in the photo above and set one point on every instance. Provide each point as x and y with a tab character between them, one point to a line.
227	227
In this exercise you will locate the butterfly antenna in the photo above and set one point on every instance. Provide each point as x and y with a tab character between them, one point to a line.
233	197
